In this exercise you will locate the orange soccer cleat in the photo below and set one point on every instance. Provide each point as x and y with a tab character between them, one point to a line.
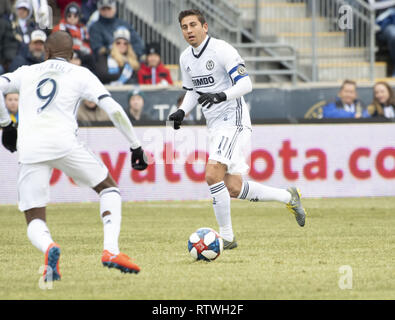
120	261
51	269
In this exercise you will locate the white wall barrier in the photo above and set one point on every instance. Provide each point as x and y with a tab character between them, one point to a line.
323	160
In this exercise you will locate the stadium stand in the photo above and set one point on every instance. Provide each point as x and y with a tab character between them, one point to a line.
323	40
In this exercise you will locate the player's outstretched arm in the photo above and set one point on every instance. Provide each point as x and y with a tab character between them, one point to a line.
123	124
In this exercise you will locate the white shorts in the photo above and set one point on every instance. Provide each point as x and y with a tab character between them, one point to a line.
231	146
84	167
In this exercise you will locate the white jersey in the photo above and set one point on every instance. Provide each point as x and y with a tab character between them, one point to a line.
215	67
49	96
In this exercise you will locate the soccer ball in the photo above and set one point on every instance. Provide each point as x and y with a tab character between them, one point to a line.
205	244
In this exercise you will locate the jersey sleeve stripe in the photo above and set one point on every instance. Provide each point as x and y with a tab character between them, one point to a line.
233	70
6	78
189	89
237	78
104	96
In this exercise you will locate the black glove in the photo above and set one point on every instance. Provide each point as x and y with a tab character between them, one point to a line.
177	118
9	137
139	159
208	99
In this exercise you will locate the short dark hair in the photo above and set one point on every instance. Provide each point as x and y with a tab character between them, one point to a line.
191	12
346	82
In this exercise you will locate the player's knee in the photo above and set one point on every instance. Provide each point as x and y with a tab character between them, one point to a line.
105	184
234	191
212	177
215	172
35	213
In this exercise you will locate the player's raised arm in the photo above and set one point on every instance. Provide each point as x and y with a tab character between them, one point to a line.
122	122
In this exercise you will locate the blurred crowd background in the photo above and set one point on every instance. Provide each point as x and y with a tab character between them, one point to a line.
140	71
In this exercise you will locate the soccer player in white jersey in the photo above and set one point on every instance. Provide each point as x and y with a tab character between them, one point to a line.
46	138
214	74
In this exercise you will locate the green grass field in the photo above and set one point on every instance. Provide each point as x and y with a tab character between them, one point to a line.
276	259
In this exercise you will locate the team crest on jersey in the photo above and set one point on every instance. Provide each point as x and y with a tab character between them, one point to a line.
210	65
241	70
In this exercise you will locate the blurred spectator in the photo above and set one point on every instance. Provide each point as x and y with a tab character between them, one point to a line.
153	71
62	5
102	31
136	106
42	15
5	9
89	112
383	104
76	59
11	103
121	65
8	45
23	23
346	104
386	21
32	54
88	7
92	19
71	24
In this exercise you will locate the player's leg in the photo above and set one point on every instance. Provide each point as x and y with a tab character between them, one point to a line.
254	191
222	142
87	169
215	174
33	190
110	213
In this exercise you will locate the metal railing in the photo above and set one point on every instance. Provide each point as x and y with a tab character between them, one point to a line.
160	17
223	19
262	65
331	39
342	40
141	14
263	60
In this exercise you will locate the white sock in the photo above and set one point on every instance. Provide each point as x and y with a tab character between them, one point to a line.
221	205
38	234
110	200
254	191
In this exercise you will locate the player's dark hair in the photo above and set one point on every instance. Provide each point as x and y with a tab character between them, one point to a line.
191	12
59	45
